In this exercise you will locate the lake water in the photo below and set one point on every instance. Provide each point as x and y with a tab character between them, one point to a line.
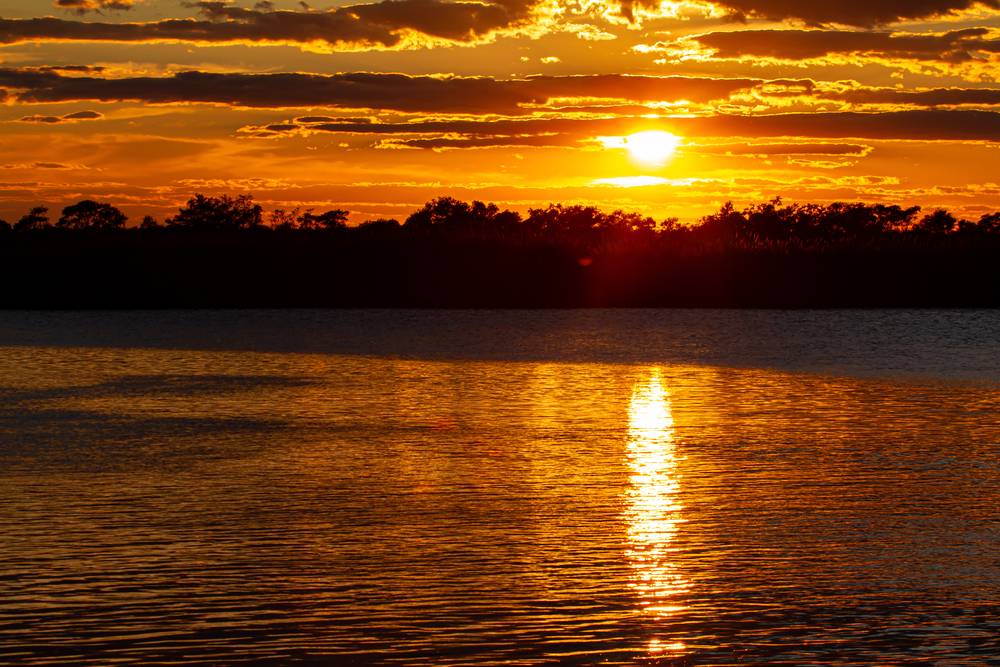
484	488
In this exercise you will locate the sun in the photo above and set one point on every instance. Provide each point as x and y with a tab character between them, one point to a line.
652	147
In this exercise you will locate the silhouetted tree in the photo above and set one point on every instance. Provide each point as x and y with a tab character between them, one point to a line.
284	220
559	220
847	221
772	221
727	225
5	227
966	227
449	215
989	223
938	222
620	222
223	212
764	221
894	218
333	219
495	220
36	218
89	214
149	222
443	211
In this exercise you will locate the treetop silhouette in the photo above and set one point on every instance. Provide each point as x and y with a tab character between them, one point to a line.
767	224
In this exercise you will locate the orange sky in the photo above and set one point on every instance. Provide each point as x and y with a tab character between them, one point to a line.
378	107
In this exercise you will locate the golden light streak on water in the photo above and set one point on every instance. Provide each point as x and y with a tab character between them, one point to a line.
652	512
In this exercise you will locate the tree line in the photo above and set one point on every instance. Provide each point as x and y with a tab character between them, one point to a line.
765	224
226	251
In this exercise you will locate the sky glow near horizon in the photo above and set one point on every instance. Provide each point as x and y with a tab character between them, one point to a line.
377	107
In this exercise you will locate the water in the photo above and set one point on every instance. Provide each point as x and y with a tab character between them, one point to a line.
483	488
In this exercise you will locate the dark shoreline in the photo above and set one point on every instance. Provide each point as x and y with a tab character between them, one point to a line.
166	268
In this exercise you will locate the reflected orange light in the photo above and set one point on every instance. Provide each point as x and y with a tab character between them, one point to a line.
652	512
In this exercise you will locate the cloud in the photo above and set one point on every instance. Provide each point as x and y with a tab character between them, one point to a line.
411	23
924	125
801	45
868	13
74	69
41	165
68	118
635	88
330	119
83	115
570	140
383	24
397	92
822	148
854	95
928	97
84	6
500	141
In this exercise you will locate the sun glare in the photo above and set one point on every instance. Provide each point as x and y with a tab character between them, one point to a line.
653	147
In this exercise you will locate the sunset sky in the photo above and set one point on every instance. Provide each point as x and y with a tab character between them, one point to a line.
378	107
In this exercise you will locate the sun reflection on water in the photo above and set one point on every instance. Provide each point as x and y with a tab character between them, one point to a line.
652	511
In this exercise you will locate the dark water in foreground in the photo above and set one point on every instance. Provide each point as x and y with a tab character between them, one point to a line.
483	488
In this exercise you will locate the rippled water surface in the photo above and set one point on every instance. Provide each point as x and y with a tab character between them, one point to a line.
484	488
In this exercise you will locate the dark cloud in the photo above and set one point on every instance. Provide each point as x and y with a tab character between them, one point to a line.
923	98
83	6
83	115
636	88
386	22
928	125
68	118
443	143
856	150
40	119
563	140
87	69
955	46
40	165
853	12
396	92
330	119
380	24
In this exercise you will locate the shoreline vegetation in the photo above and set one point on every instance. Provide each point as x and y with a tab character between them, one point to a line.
224	252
